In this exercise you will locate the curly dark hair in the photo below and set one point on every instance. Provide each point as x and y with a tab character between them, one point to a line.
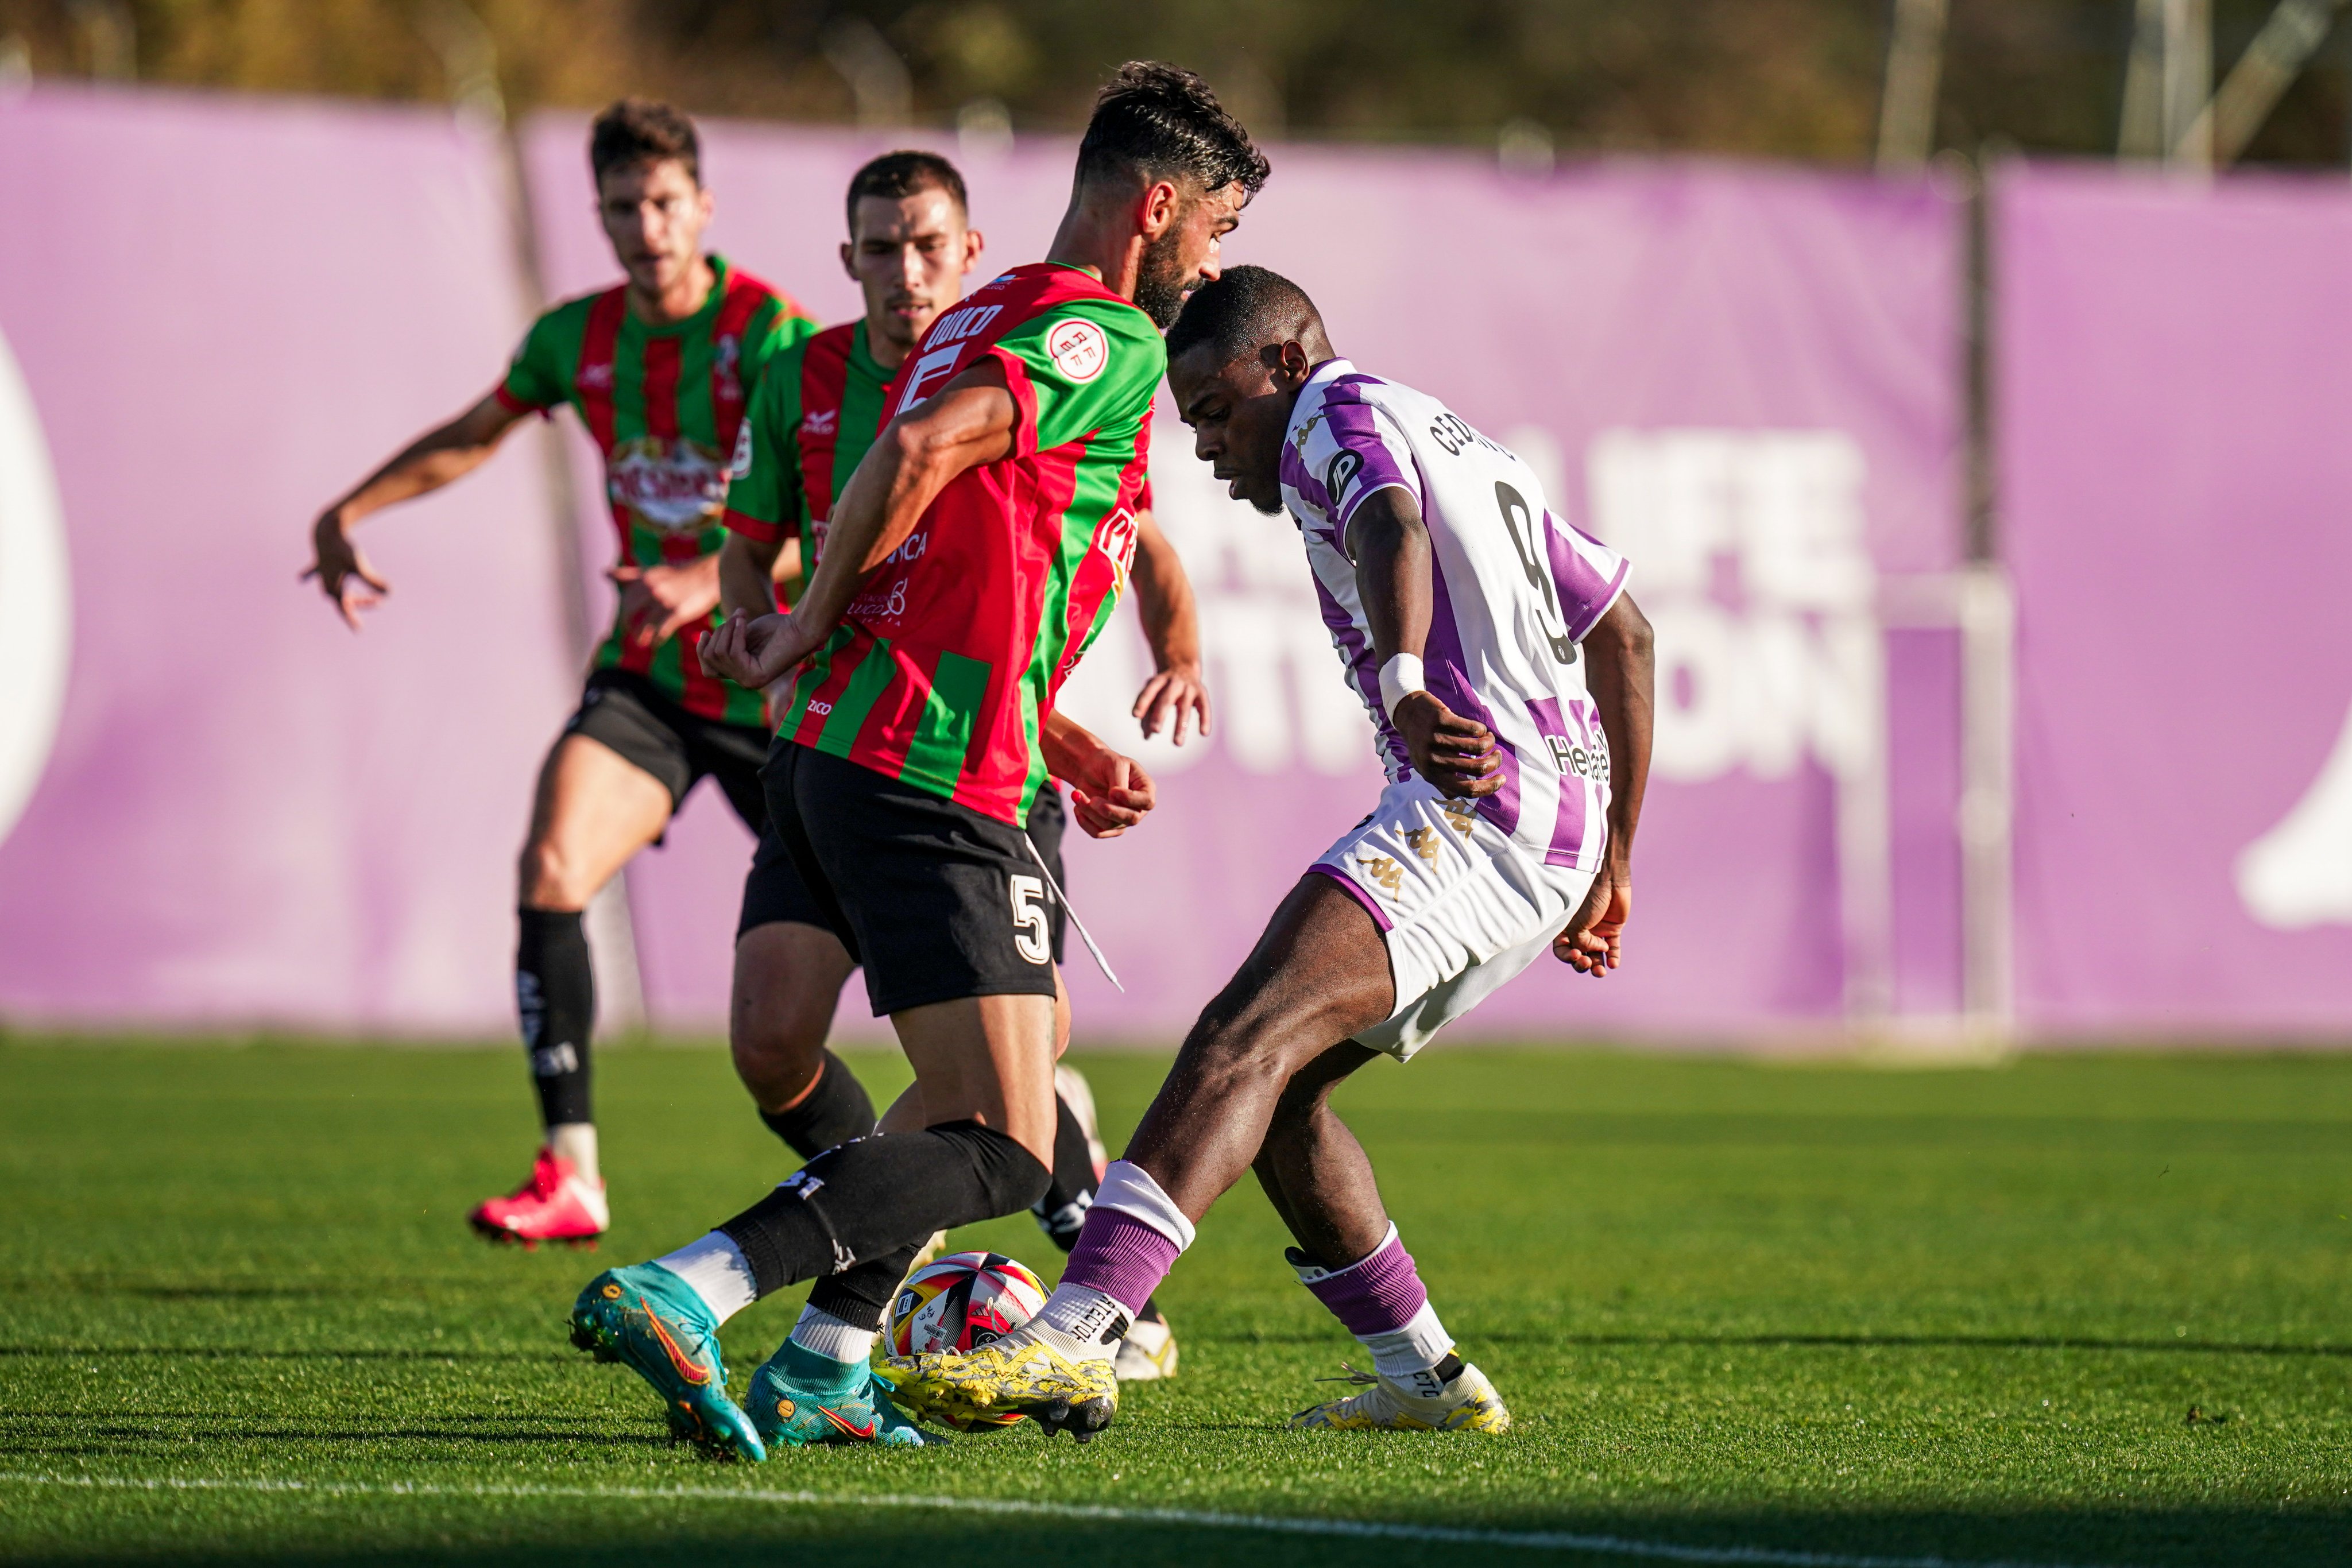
1158	121
635	131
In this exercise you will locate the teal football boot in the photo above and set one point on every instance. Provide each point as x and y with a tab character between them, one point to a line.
799	1397
653	1321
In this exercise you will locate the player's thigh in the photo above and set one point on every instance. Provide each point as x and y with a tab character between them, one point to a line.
989	1059
594	809
1319	974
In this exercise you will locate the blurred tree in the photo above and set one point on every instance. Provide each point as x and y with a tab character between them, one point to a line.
1775	78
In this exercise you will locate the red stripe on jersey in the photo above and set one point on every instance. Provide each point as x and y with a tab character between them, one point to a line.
592	380
512	403
662	369
727	393
825	382
811	723
751	528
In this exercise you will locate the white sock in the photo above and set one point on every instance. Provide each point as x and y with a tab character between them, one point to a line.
576	1141
1129	1189
828	1336
1078	1321
718	1272
1407	1355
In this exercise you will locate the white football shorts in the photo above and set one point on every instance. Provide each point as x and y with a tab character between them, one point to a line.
1463	908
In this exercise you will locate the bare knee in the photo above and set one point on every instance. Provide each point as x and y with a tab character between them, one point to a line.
548	878
786	982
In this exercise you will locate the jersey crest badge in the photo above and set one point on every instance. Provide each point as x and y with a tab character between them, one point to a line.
1078	349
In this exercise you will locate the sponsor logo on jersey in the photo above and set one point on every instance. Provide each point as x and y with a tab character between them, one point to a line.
1115	537
729	357
1575	760
599	374
1078	348
672	486
822	422
1342	472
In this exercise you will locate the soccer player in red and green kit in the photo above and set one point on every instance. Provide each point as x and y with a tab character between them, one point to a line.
817	409
977	550
660	369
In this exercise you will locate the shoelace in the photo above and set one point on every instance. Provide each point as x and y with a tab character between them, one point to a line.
1359	1379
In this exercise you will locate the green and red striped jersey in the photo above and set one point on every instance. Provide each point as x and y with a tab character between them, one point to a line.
957	646
817	408
663	405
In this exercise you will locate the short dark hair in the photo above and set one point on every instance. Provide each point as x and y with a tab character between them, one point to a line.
1240	313
1158	120
902	174
635	131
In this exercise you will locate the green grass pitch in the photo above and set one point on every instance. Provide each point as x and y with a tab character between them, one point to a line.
1743	1312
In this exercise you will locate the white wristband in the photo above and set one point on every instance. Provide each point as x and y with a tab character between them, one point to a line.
1400	676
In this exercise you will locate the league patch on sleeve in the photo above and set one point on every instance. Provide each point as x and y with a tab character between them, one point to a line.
1078	348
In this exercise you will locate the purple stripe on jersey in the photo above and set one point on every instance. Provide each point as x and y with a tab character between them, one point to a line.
1448	674
1585	595
1355	427
1310	489
1378	917
1567	827
1356	652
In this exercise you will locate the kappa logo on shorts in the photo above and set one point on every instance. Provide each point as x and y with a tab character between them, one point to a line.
1424	841
1078	349
1385	872
1460	815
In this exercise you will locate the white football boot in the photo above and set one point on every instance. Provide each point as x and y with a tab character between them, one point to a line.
1147	1353
1467	1403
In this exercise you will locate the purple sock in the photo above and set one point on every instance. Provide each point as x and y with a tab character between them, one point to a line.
1376	1295
1122	1257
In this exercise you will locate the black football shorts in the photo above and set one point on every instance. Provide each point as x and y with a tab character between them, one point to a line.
936	900
636	718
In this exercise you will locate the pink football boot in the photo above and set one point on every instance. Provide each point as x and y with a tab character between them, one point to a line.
554	1205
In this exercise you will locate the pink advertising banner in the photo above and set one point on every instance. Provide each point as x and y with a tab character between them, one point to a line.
238	813
2175	365
1747	378
219	809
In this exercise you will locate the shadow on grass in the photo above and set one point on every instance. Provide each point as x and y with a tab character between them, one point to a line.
243	1353
572	1532
1842	1342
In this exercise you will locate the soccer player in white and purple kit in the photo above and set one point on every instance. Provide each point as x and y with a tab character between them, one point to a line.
1509	681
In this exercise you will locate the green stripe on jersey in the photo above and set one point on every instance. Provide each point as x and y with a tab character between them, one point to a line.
935	757
867	681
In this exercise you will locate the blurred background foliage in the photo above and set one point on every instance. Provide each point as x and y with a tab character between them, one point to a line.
1793	79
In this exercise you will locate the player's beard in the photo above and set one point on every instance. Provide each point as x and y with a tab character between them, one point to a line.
1160	279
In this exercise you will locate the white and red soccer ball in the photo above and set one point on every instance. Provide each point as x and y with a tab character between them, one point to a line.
963	1301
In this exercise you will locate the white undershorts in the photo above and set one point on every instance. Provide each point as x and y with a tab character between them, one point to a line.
1462	907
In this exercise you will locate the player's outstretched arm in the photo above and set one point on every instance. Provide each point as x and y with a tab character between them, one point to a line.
1620	666
448	452
750	569
970	422
1389	544
1164	600
1108	793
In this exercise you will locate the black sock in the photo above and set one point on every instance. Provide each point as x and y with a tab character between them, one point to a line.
1061	1214
555	991
835	1110
862	1295
864	1201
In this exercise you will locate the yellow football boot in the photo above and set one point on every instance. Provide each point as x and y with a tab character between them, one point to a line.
1017	1375
1467	1403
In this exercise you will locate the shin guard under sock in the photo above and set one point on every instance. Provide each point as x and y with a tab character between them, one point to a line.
1062	1212
836	1109
861	1203
555	992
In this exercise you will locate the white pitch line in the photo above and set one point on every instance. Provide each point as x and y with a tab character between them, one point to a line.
1351	1529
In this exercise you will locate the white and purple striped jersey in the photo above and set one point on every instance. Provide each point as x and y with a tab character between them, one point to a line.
1517	590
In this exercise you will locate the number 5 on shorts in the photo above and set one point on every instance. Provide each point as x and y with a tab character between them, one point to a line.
1029	937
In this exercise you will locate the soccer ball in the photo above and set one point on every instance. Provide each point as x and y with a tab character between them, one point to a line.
963	1301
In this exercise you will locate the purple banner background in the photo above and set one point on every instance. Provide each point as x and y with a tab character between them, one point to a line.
1749	377
2175	363
250	816
1735	302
